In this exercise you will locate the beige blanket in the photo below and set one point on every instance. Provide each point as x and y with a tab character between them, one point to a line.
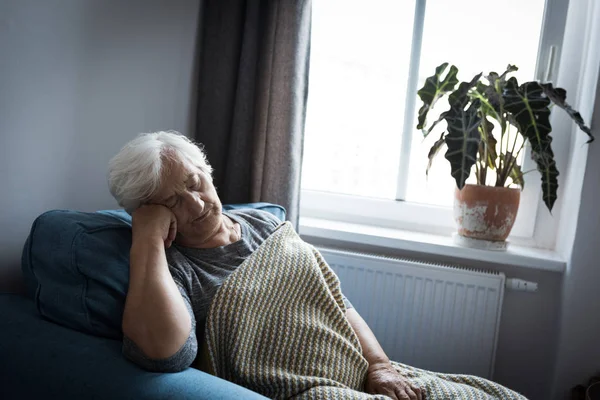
277	326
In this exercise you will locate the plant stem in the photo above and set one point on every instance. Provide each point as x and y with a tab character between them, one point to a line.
514	159
500	180
512	151
484	166
519	151
503	126
499	168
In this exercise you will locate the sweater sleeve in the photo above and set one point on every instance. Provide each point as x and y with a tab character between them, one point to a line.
179	361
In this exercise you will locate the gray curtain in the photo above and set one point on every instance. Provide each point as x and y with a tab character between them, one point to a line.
252	90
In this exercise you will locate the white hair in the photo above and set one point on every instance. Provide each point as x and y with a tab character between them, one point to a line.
134	174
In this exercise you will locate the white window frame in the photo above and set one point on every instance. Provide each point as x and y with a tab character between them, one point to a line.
536	228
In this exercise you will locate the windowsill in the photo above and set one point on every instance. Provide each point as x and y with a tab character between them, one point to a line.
431	245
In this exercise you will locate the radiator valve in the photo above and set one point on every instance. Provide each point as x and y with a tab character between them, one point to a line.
520	285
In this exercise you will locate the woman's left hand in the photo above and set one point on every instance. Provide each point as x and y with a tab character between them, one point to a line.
383	379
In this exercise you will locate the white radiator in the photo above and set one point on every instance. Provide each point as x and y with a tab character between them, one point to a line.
430	316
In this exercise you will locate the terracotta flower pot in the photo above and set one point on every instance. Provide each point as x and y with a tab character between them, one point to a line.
486	212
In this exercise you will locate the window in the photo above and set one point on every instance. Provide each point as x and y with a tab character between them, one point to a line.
364	161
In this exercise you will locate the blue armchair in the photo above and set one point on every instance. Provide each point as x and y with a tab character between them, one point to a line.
62	340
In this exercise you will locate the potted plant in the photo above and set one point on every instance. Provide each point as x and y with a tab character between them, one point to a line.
487	126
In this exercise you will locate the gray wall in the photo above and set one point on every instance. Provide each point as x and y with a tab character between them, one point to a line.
79	78
579	345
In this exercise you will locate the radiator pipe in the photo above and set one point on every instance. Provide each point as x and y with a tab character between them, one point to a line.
520	285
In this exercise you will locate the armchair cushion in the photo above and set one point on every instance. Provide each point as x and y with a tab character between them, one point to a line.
76	266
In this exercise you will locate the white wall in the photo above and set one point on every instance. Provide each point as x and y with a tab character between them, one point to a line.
78	79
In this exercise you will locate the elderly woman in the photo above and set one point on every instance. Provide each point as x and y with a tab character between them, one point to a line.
184	247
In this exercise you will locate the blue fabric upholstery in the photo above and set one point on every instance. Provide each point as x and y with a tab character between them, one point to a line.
76	267
42	360
274	209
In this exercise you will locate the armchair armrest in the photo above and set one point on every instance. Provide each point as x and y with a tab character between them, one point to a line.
41	359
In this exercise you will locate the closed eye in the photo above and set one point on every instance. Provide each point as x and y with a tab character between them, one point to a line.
195	184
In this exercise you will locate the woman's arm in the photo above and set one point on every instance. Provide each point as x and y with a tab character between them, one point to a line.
382	378
155	317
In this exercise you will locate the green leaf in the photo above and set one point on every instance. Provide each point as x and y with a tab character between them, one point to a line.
434	88
559	96
512	120
515	173
426	132
491	101
498	82
463	139
547	166
488	139
530	108
433	152
459	97
494	77
492	93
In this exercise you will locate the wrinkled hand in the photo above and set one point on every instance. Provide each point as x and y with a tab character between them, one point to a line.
383	379
154	221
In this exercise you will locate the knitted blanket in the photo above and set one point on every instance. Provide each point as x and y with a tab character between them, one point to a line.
277	326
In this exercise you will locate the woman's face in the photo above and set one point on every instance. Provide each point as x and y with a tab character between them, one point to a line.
190	194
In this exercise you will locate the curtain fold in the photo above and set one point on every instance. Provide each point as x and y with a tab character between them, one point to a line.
252	92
